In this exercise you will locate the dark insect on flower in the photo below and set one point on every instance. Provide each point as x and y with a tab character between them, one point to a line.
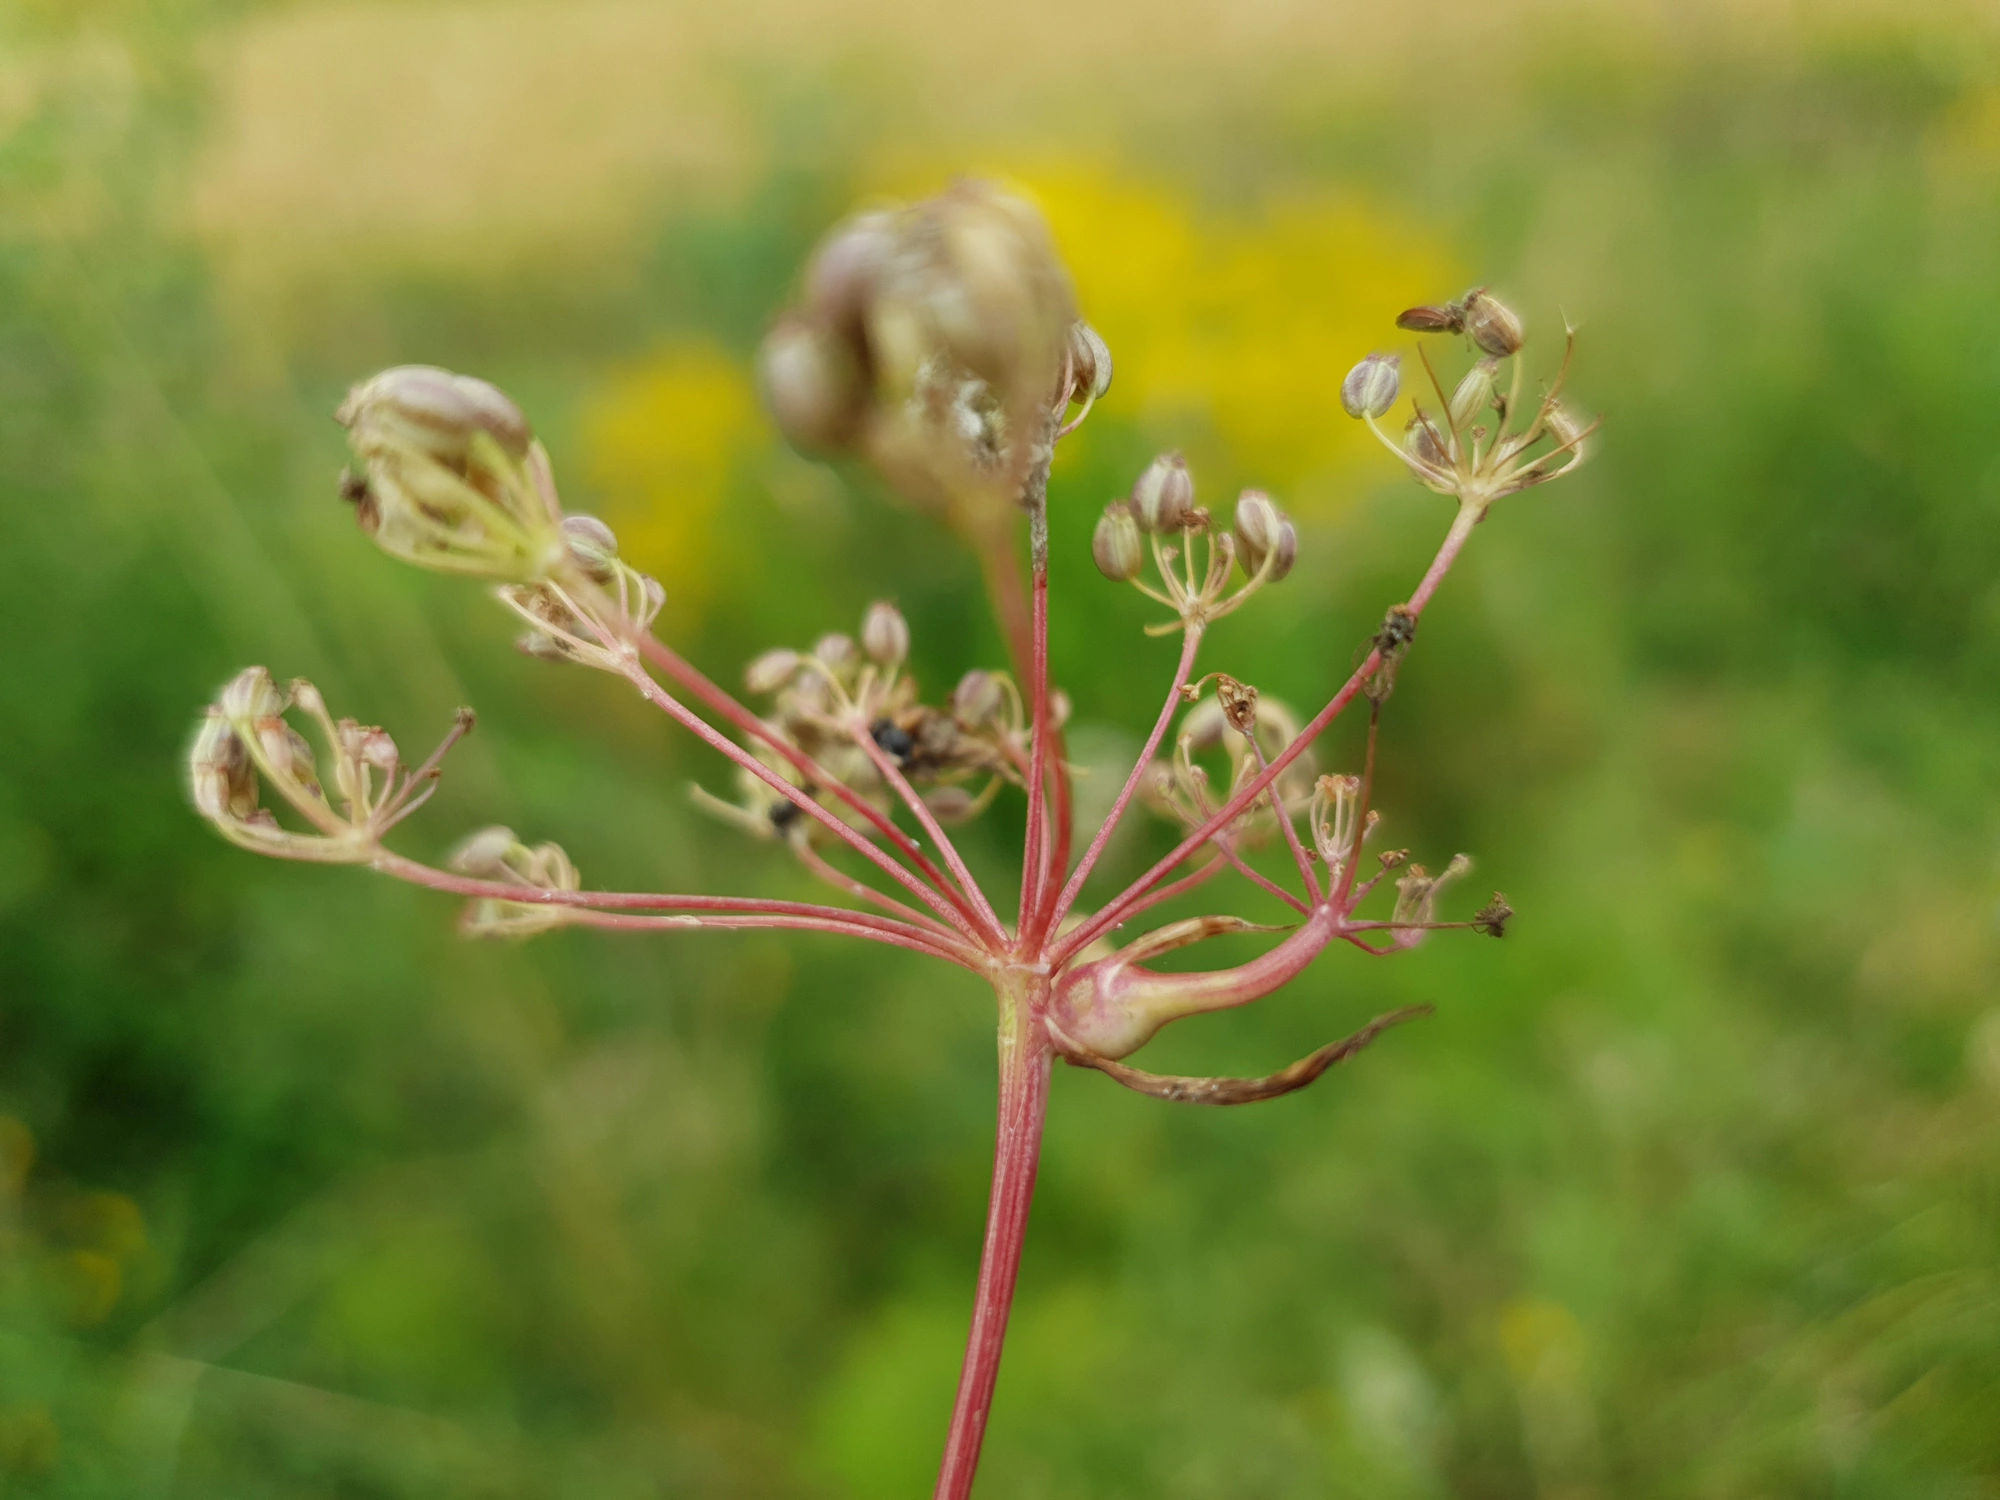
893	738
1399	628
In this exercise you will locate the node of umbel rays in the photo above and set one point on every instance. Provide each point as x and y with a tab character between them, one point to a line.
940	343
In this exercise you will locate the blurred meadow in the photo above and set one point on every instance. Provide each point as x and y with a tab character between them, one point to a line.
1691	1188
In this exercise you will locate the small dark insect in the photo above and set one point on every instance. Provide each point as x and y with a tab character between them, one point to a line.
1399	628
893	738
354	490
784	815
1493	917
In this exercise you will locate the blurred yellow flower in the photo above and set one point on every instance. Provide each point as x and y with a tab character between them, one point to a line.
660	441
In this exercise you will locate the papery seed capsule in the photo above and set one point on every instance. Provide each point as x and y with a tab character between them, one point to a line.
1474	394
1262	530
771	671
435	409
1115	546
812	385
1493	325
885	634
977	699
1163	498
1090	361
1420	442
1372	386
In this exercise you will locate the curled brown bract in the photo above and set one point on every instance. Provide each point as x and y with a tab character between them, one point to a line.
1185	1089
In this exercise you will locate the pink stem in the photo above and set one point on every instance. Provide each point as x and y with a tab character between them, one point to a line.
840	880
892	773
1190	643
1461	527
1036	850
936	900
1024	1100
636	922
859	924
720	702
1284	818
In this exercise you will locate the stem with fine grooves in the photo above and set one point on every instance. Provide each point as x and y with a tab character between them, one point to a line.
1017	1147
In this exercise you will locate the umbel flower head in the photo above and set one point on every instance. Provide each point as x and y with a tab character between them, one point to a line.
451	477
940	342
245	744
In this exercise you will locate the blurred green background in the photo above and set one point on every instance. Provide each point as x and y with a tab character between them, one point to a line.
1691	1187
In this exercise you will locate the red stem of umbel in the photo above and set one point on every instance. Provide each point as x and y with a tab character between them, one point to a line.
1017	1151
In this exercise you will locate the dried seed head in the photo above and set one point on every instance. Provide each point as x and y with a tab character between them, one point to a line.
813	385
1239	703
424	407
1263	531
1163	499
1115	546
885	634
1372	386
1474	394
1089	362
771	671
1493	325
452	478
